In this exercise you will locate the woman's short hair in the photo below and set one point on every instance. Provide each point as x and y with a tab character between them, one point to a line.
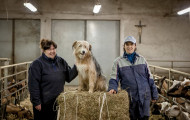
46	44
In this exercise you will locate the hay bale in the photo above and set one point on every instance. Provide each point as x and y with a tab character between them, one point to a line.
85	106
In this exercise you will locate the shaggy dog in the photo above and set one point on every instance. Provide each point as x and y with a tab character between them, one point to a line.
89	71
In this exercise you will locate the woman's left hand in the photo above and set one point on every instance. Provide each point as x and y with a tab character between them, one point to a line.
153	101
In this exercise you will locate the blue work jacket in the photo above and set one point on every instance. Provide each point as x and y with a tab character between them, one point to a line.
136	79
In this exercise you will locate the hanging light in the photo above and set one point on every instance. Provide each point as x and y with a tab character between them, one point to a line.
30	6
183	11
97	8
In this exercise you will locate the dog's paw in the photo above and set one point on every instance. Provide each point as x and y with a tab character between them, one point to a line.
90	91
79	89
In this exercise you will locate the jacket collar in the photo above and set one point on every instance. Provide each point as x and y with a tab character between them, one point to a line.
125	54
49	59
134	57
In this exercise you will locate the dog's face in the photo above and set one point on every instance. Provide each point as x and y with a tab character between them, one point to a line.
82	49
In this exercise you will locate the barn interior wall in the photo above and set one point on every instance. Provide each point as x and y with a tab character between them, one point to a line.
163	38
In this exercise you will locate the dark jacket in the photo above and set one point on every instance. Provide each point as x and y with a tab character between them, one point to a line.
47	78
136	79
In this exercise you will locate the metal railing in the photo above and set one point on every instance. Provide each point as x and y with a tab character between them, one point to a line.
4	78
172	63
4	61
169	80
169	70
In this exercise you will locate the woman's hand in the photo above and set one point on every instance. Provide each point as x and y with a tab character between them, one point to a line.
38	107
112	91
153	101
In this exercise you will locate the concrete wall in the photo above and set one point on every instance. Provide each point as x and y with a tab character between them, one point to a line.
19	40
163	38
5	39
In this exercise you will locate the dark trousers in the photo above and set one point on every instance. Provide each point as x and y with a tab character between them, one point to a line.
47	111
134	111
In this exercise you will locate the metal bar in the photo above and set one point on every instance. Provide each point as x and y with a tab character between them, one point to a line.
13	41
174	102
165	79
185	99
174	67
177	71
159	67
169	79
16	64
4	59
13	75
180	67
13	85
168	61
15	72
27	68
5	74
1	86
13	92
172	70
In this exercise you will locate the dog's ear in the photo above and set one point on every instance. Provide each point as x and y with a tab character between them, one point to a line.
74	44
90	47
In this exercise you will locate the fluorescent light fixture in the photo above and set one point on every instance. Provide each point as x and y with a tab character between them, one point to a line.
30	6
183	11
96	8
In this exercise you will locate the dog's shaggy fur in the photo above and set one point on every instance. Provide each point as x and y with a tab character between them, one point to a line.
89	71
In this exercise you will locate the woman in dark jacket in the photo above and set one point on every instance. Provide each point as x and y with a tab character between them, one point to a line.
47	76
133	73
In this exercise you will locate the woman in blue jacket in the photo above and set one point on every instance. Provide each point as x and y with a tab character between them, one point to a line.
133	73
47	76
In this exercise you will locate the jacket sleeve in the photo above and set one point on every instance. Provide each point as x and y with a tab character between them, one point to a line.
34	79
115	77
154	92
71	73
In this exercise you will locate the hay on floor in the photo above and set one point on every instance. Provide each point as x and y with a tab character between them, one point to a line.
94	106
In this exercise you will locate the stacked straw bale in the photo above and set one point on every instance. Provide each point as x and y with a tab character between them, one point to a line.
95	106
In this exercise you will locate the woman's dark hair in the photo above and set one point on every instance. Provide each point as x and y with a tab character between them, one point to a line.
124	47
46	44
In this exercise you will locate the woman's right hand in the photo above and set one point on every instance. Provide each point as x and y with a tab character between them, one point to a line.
38	107
112	91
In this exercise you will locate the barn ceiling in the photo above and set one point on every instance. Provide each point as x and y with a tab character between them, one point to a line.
85	7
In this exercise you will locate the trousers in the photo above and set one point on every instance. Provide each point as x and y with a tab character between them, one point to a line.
48	111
